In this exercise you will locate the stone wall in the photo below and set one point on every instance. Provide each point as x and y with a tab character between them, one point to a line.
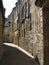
10	22
1	27
37	29
1	34
33	40
46	32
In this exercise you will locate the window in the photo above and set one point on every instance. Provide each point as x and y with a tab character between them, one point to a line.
30	22
30	26
23	12
19	17
19	34
27	9
24	32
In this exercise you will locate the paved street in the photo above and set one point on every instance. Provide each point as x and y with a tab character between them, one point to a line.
13	56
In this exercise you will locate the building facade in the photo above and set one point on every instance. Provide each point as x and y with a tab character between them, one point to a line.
1	27
6	31
23	15
10	29
10	22
45	8
15	28
31	28
37	31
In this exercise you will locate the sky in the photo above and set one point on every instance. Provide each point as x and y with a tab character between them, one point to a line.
9	4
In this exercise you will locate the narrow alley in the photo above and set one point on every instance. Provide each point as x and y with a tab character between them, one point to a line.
24	32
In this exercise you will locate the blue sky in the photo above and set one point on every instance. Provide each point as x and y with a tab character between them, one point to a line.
9	4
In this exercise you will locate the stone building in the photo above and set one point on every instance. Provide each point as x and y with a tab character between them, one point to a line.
23	15
45	8
15	28
34	29
6	31
10	22
31	28
1	27
37	31
10	29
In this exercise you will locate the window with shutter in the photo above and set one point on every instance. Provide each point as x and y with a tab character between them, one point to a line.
24	32
30	22
27	9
